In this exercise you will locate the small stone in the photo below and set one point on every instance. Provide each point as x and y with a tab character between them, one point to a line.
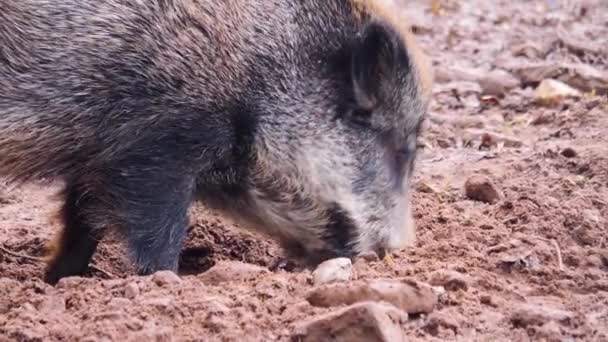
520	262
531	50
439	320
569	152
426	188
230	271
486	226
594	261
366	321
439	291
550	91
131	290
487	141
166	278
445	74
487	300
551	331
498	83
543	119
443	143
480	188
532	314
409	296
450	280
333	270
604	258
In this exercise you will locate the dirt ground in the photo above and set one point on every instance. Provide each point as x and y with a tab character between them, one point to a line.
532	264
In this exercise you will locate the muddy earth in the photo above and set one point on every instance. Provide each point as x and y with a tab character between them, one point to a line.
510	198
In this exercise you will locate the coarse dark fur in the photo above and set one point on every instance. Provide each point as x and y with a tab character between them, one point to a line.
299	118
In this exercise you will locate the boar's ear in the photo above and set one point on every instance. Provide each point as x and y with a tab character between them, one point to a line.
378	56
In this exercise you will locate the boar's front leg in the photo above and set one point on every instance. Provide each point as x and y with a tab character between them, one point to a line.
153	212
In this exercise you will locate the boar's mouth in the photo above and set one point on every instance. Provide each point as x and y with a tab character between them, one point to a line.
338	240
341	232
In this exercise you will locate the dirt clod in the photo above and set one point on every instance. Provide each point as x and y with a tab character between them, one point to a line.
439	321
481	189
411	297
166	278
498	83
450	280
534	314
230	271
366	321
568	152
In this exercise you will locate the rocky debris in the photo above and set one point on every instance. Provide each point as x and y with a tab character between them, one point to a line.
568	152
543	118
550	92
604	258
444	143
586	78
166	278
6	198
489	140
333	270
531	49
457	74
580	45
439	320
131	290
229	271
365	321
534	314
594	261
425	187
498	82
459	89
480	188
488	300
410	296
583	77
450	280
439	291
512	263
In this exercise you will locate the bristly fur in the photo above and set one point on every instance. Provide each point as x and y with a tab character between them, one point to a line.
298	117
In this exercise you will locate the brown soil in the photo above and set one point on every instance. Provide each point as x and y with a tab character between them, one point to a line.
543	241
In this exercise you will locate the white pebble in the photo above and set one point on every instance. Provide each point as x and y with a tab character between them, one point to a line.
333	270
